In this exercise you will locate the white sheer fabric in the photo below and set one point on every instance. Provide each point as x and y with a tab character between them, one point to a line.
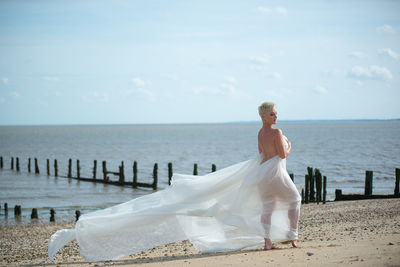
231	209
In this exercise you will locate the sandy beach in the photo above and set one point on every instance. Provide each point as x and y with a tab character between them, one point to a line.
357	233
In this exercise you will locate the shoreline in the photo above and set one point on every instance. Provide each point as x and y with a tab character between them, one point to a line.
360	232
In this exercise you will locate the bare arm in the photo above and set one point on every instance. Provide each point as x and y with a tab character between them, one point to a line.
259	143
280	145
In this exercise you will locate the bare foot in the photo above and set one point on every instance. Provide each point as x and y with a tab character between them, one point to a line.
294	243
268	244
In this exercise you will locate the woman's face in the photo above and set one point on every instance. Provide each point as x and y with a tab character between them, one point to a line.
270	117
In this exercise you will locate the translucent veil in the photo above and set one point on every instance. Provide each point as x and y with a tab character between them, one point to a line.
220	211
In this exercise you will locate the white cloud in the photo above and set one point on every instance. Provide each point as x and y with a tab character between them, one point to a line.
173	77
141	92
370	73
14	94
230	79
96	96
320	89
260	60
386	29
358	54
272	10
2	100
274	75
207	91
389	52
4	80
51	79
138	82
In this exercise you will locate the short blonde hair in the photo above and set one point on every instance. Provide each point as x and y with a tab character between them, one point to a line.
265	107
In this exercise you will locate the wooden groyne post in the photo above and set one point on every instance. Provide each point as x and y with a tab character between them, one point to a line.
169	173
12	163
311	177
18	169
55	168
77	215
134	184
5	209
70	168
155	176
213	168
324	193
291	175
52	217
104	165
78	169
318	182
368	183
1	162
94	169
29	165
36	166
195	169
396	186
17	210
121	173
48	166
307	190
34	214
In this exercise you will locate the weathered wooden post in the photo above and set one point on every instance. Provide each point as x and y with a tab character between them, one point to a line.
52	217
18	165
121	173
155	176
78	169
302	196
17	210
318	183
324	191
55	168
368	183
70	168
307	186
77	215
1	162
48	166
12	163
134	184
36	166
338	194
94	169
169	173
104	165
213	168
195	169
291	176
34	214
29	165
311	177
396	186
5	209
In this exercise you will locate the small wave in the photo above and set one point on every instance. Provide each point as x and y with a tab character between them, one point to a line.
351	181
385	178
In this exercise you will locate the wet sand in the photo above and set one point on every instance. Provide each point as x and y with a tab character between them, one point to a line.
357	233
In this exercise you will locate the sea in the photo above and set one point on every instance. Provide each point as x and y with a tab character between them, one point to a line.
342	150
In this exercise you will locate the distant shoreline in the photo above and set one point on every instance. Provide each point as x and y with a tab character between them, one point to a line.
201	123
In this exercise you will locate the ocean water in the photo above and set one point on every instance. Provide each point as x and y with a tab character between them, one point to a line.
342	150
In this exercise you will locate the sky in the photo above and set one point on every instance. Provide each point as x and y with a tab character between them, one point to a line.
200	61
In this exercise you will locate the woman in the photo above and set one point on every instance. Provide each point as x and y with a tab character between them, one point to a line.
271	143
219	211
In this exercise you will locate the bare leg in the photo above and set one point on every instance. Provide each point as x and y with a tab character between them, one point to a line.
293	215
266	222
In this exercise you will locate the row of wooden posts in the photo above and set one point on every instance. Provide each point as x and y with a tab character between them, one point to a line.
34	214
368	189
105	179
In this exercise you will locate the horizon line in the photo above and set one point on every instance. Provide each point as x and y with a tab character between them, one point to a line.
199	123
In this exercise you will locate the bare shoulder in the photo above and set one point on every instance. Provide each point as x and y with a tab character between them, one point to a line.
277	132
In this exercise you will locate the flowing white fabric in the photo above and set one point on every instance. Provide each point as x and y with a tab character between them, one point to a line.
231	209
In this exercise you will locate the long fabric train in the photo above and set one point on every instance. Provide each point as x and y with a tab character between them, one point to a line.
231	209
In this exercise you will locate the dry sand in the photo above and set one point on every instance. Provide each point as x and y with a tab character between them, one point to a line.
357	233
